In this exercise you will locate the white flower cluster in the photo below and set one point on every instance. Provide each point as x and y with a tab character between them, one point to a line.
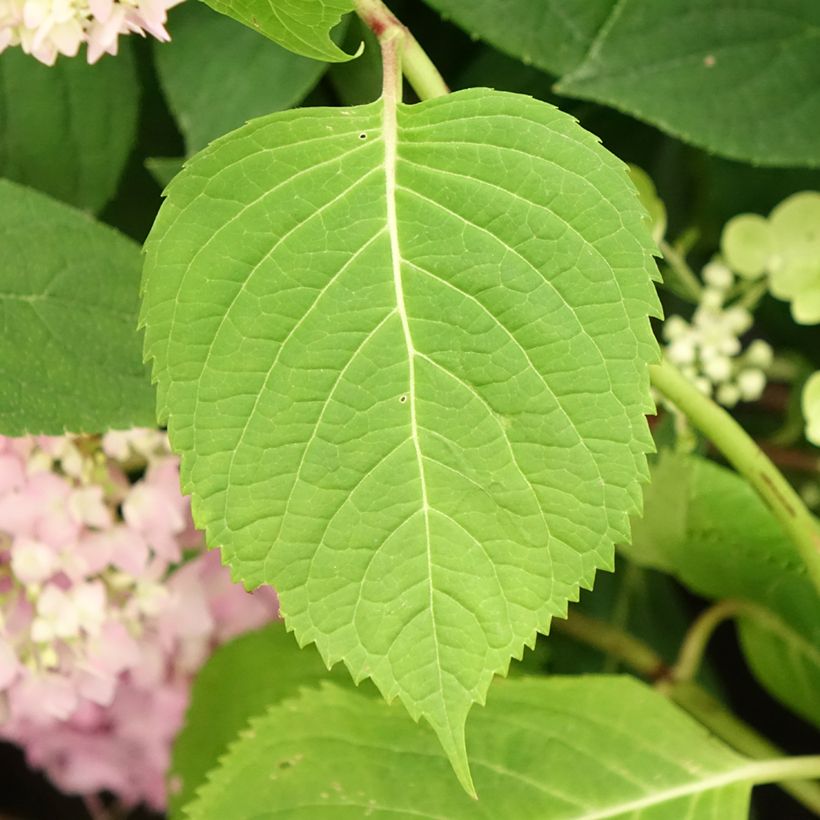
708	349
47	28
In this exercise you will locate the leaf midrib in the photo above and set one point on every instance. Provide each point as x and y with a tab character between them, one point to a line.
390	138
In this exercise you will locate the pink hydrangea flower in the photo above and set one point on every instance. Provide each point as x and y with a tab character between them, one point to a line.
108	607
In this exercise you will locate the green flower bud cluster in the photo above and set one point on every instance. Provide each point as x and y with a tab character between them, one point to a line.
811	408
785	247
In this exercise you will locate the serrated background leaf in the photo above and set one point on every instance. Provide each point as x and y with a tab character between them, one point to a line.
707	526
69	347
68	129
241	680
301	26
200	66
558	748
425	459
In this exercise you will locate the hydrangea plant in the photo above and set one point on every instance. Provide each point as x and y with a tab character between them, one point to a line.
396	346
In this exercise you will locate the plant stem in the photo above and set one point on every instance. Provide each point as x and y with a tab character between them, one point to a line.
787	768
676	261
697	702
615	642
752	295
721	722
697	638
422	75
749	460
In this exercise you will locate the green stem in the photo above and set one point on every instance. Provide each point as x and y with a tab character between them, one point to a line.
685	274
749	460
422	75
752	295
697	638
615	642
722	723
635	654
787	768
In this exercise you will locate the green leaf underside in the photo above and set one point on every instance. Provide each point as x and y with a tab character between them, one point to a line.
241	680
737	77
301	26
403	354
706	525
199	66
69	348
543	748
68	129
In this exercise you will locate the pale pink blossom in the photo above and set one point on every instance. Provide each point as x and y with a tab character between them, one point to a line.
103	622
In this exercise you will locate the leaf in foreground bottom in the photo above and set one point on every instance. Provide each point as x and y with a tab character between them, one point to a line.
402	350
585	748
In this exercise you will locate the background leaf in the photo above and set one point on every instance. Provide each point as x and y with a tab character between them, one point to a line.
552	35
68	129
164	169
359	81
423	463
200	66
707	526
737	77
642	602
301	26
242	679
69	348
551	748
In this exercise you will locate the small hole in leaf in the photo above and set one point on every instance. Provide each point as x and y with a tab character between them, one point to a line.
403	399
362	136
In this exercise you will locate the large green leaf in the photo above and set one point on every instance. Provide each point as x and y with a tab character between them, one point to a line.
708	527
241	680
737	77
200	66
560	748
67	129
302	26
403	351
69	347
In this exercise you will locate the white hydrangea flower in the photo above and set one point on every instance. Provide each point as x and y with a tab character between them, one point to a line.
56	616
708	350
32	561
48	28
141	442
